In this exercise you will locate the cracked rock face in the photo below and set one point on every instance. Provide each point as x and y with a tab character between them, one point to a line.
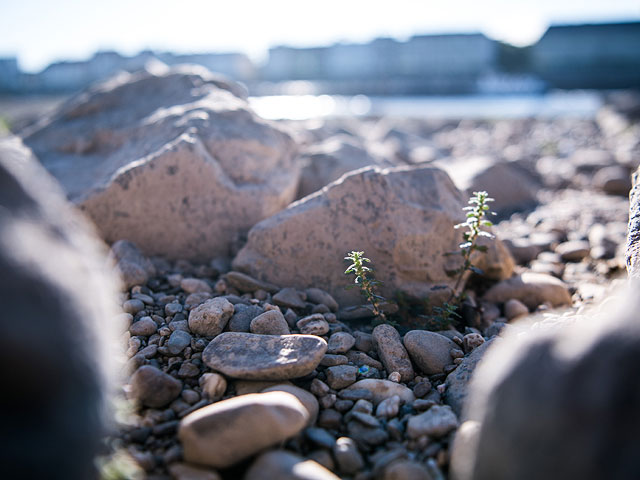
403	219
174	161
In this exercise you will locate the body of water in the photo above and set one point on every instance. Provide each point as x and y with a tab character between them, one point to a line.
551	104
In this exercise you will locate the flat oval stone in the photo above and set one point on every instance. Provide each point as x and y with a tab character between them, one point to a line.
249	356
430	351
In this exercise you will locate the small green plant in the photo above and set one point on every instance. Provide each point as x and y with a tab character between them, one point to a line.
477	210
366	281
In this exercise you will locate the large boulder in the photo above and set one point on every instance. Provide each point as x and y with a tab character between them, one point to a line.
327	161
173	161
402	218
557	402
57	298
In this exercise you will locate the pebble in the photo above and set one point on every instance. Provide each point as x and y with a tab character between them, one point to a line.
195	285
149	351
133	306
210	318
313	325
171	309
245	283
213	385
514	308
341	376
365	419
364	341
389	407
196	299
435	422
422	388
365	435
188	370
327	401
264	357
271	322
153	388
318	296
190	396
320	437
340	342
406	470
573	251
288	298
143	327
319	388
395	377
356	394
381	389
361	358
242	317
178	341
347	456
429	350
392	352
226	432
471	341
333	360
330	419
343	405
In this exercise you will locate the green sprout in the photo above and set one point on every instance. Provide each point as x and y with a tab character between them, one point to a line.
477	210
365	280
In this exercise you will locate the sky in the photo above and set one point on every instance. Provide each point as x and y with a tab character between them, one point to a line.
39	32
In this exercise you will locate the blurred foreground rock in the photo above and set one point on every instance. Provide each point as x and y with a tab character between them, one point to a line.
57	303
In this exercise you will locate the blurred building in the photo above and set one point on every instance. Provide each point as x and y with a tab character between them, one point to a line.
598	56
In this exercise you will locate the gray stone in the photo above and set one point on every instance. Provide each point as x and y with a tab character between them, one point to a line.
364	341
320	437
313	325
307	399
153	388
195	285
341	376
330	360
380	390
264	357
178	341
457	382
532	289
243	314
247	284
389	407
319	296
340	342
347	455
429	350
288	298
144	327
271	322
284	465
134	268
210	318
435	422
406	470
226	432
152	153
392	353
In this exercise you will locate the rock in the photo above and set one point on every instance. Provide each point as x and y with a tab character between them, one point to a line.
319	296
573	251
153	388
283	465
341	376
313	325
389	407
320	437
324	162
183	471
195	285
340	342
396	216
245	283
364	341
614	180
214	385
144	327
242	317
224	433
514	308
457	383
330	360
271	322
307	399
382	389
58	299
632	248
471	341
532	289
242	387
406	470
288	298
392	353
264	357
134	268
571	386
347	455
210	318
435	422
148	154
429	350
178	341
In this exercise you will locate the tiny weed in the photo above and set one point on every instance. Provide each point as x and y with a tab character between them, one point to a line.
366	281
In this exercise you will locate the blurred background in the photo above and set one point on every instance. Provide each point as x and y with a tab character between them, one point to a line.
298	60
